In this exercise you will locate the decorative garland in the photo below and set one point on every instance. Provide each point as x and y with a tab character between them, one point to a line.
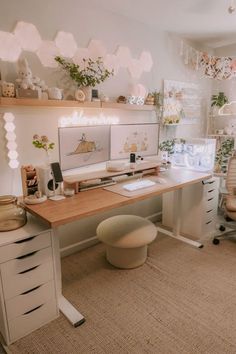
214	67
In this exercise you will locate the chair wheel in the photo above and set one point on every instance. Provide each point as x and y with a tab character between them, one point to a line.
222	228
215	241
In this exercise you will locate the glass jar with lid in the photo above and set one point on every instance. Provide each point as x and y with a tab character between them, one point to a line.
12	215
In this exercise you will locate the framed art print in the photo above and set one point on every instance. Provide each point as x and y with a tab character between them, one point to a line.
84	145
141	139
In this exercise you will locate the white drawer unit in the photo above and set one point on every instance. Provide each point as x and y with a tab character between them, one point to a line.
27	284
199	208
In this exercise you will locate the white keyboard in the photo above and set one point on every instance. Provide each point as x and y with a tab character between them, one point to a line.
140	184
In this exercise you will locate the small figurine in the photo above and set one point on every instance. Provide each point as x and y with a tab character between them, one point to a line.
150	99
121	99
26	80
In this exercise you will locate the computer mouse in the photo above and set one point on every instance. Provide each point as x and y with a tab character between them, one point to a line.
160	180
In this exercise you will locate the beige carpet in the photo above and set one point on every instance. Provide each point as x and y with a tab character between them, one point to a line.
182	301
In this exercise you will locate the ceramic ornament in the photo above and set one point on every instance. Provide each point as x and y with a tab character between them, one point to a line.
138	90
79	95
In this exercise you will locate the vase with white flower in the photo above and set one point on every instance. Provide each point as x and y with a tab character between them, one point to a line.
42	142
86	76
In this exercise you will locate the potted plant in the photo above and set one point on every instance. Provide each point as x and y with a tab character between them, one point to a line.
91	74
218	100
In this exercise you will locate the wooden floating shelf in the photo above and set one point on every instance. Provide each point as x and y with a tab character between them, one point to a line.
32	102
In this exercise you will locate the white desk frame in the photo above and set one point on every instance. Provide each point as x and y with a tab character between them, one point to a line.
68	310
177	217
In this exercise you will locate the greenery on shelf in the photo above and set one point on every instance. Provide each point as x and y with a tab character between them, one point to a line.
219	100
224	152
158	99
91	74
169	145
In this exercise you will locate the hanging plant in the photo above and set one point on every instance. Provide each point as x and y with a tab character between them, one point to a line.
223	154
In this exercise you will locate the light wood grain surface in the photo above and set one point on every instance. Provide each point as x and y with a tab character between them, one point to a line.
94	201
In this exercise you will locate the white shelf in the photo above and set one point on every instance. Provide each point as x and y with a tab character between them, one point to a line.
222	115
223	135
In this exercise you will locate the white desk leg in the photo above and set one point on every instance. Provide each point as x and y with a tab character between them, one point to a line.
177	217
73	315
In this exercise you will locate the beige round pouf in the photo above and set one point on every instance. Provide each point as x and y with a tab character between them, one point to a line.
126	238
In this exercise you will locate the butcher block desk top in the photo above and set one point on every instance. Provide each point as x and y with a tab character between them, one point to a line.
91	202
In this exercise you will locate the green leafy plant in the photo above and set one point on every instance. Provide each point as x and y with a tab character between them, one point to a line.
91	74
42	142
218	100
169	145
158	99
223	154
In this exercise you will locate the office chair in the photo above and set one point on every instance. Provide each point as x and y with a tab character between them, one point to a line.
229	227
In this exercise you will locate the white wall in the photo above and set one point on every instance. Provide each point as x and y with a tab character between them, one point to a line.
86	22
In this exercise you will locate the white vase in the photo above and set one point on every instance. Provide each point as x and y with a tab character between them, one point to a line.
47	159
87	90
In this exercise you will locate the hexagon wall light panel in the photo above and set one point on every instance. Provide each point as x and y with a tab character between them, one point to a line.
47	52
10	49
96	49
146	60
111	63
135	68
28	36
81	53
124	56
66	44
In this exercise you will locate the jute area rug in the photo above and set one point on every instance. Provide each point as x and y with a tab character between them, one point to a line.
181	301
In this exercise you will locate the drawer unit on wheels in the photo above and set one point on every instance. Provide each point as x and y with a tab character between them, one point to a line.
199	208
27	284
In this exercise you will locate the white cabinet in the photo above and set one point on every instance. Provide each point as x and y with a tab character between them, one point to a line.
199	208
27	285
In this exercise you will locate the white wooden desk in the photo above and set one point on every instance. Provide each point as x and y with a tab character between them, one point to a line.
57	213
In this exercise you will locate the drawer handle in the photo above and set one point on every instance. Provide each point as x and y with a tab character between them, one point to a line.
210	199
212	190
28	270
25	240
203	182
36	308
207	223
208	211
27	255
29	291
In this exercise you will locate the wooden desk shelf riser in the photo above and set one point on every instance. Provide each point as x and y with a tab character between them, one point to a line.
75	181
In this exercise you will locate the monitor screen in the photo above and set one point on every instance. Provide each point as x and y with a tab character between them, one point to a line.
84	145
140	139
